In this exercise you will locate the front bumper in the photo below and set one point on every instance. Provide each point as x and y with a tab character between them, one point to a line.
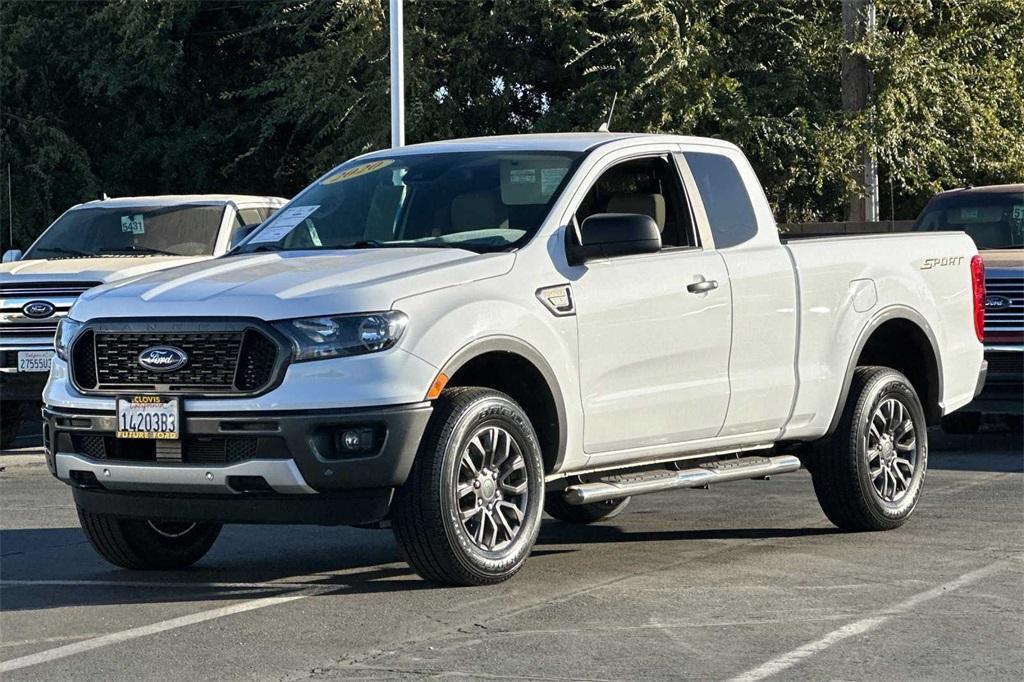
260	467
21	386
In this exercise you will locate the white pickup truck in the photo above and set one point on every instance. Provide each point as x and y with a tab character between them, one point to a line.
451	338
94	243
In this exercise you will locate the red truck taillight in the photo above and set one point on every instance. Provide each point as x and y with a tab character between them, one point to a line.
978	284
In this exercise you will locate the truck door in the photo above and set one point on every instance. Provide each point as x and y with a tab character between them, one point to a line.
654	329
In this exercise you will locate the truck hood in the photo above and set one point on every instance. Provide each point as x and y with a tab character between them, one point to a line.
105	269
282	285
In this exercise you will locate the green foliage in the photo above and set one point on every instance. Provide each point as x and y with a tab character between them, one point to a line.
149	96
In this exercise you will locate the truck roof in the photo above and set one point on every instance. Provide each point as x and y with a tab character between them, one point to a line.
568	142
1016	188
175	199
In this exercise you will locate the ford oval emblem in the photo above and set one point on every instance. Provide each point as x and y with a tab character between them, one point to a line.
38	309
997	302
163	358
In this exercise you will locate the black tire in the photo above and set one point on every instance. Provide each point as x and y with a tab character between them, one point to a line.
556	507
961	423
147	545
436	541
12	413
840	467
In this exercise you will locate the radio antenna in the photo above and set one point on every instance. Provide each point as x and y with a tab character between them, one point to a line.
606	126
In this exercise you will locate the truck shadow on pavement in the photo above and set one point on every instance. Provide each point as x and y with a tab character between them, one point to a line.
45	568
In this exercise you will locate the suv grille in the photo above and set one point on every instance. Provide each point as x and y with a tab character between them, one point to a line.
234	358
14	324
1008	318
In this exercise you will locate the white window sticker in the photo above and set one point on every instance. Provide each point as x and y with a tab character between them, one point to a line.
282	223
549	180
522	176
133	224
1018	213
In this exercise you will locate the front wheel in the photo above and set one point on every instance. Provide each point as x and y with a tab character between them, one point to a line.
470	511
147	545
868	475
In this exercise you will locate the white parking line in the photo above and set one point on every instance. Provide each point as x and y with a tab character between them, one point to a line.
794	657
143	631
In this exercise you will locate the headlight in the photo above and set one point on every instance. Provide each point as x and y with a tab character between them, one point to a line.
317	338
67	330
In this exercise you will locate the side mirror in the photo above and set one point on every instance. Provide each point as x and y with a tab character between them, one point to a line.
607	235
12	255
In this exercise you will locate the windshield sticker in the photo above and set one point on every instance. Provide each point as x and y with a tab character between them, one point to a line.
550	178
1018	213
356	171
133	224
522	176
282	223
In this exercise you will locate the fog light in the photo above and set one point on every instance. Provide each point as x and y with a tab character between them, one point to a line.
354	440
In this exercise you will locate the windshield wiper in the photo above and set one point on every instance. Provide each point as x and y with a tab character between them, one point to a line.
1005	246
135	248
68	252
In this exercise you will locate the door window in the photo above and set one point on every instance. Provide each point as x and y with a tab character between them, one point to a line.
726	201
648	186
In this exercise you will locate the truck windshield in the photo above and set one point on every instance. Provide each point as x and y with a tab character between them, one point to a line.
481	201
993	220
131	230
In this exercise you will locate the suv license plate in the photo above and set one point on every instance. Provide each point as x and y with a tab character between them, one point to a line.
148	416
34	360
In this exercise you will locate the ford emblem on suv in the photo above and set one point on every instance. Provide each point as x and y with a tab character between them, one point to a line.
163	358
997	302
38	309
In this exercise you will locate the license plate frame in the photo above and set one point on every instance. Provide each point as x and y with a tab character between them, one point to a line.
34	361
151	417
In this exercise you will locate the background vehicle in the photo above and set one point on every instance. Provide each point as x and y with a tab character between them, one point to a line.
457	335
994	218
91	244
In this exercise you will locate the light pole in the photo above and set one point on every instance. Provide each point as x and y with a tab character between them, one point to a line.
397	76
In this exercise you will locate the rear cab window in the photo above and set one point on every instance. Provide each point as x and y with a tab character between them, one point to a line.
726	200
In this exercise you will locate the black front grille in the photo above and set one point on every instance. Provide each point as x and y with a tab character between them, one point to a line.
194	449
1009	315
232	359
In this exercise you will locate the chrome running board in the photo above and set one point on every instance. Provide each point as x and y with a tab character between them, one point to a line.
614	487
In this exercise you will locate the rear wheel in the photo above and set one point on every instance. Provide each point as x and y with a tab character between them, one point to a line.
868	475
145	544
470	511
556	506
961	423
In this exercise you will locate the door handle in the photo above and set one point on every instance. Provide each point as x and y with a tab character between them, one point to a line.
702	287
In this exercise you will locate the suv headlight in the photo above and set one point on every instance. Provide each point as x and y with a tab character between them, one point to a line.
67	330
318	338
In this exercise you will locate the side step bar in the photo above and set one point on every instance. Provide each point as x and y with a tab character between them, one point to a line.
614	487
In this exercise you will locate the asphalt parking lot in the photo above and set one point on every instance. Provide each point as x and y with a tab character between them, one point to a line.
743	581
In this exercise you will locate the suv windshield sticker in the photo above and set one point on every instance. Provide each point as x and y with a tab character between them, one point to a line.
282	223
356	171
133	224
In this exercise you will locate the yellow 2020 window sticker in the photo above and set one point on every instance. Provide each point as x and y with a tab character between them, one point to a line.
356	171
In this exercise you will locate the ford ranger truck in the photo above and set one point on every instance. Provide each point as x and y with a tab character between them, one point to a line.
993	216
91	244
455	337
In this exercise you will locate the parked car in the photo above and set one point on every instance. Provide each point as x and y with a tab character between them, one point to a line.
94	243
993	217
452	337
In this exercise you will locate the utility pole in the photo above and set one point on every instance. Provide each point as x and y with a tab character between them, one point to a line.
857	89
397	76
